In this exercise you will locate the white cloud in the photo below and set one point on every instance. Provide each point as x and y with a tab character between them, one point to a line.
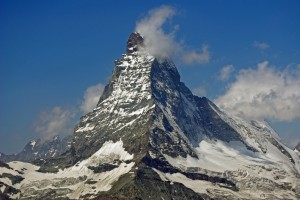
264	92
162	44
201	57
261	45
91	97
200	91
226	72
61	121
57	121
158	43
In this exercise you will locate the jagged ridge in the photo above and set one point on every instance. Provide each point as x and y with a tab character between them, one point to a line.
38	149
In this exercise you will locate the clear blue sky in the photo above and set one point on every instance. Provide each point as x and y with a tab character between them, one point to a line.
52	51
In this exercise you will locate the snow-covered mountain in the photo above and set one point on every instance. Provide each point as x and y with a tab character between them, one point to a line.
150	138
38	149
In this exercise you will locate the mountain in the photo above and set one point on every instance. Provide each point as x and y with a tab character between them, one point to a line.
38	149
149	137
297	148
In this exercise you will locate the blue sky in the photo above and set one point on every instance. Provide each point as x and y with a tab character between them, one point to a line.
54	55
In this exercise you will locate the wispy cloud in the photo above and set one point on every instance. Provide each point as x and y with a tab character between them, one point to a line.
264	92
61	120
226	72
57	121
162	44
91	97
261	45
158	42
199	91
200	57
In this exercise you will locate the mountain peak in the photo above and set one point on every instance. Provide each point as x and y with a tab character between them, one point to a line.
134	41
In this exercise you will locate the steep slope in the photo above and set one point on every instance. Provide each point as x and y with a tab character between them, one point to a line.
38	149
150	138
297	148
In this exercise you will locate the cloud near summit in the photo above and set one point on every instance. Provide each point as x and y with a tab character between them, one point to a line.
162	44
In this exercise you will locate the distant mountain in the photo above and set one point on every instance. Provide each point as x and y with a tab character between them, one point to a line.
298	147
150	138
38	149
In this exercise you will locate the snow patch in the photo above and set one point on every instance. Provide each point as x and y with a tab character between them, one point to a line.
86	128
33	143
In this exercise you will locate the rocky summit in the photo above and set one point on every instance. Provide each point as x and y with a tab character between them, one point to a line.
150	138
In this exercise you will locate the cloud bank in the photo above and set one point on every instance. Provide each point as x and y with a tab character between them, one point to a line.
91	97
264	92
161	44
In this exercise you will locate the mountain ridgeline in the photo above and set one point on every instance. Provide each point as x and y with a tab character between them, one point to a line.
38	149
149	137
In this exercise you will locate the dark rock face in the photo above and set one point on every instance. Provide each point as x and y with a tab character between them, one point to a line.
40	150
134	42
4	165
194	115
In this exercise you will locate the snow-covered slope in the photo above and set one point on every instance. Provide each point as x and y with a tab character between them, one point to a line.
150	138
268	170
88	177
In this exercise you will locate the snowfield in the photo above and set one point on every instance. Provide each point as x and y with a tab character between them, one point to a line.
76	181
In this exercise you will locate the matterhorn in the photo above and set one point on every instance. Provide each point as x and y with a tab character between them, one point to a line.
150	138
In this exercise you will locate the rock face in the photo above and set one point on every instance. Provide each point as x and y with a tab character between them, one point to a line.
37	149
298	147
150	138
